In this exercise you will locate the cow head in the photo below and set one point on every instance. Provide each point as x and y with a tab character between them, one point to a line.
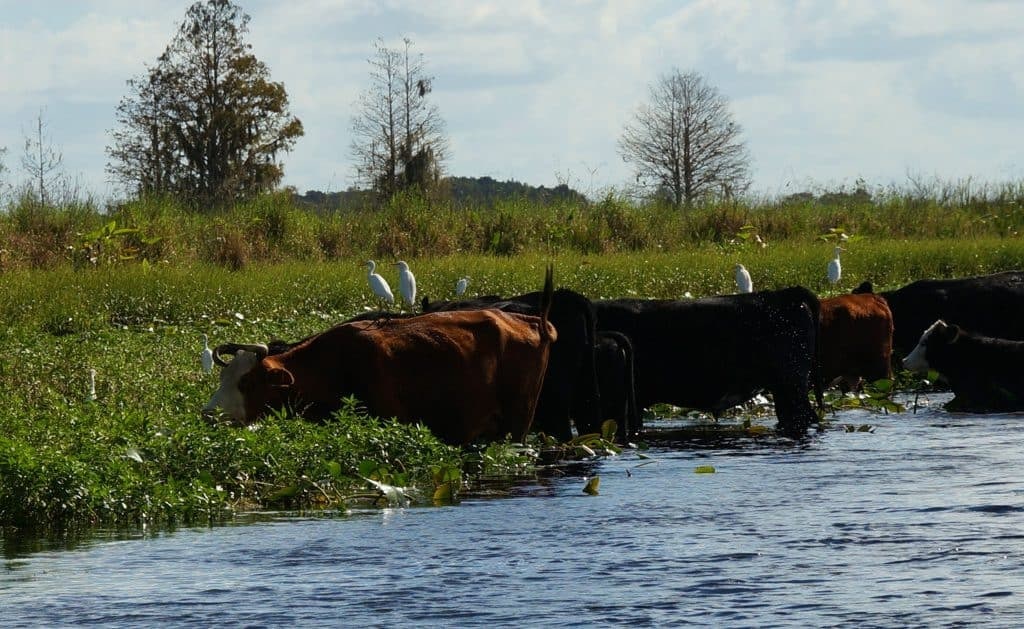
938	334
248	383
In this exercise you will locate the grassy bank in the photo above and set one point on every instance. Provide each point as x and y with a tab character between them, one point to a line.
274	228
139	453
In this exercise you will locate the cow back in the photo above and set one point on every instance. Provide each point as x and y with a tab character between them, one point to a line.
992	305
466	375
716	352
570	386
855	338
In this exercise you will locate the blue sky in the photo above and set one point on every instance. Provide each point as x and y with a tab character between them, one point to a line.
538	91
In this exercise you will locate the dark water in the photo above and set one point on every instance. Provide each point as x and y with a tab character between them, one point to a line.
920	523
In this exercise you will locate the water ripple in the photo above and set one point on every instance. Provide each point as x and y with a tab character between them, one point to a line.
912	525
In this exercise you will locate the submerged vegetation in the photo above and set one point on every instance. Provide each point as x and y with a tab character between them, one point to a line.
128	292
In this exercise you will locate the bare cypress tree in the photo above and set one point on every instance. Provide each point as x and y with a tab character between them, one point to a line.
685	141
399	137
206	123
41	160
3	167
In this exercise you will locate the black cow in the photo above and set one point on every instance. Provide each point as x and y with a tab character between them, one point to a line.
992	305
984	373
570	386
717	352
613	359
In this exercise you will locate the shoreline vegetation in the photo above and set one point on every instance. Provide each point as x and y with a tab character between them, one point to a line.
284	226
129	290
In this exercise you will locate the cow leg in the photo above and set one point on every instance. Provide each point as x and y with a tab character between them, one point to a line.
517	414
793	411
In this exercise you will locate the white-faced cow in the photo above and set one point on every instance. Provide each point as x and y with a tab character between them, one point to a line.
717	352
466	375
984	373
570	386
856	340
987	304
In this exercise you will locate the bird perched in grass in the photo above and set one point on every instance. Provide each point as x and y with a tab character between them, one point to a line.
92	385
378	284
835	270
406	283
206	356
743	281
461	285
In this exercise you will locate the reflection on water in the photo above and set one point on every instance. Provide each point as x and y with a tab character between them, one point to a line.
916	524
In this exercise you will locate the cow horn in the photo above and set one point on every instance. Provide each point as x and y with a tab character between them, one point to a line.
232	348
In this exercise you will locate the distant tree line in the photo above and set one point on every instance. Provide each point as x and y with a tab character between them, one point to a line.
474	192
207	125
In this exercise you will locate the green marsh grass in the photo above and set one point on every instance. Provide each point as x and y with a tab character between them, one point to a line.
274	228
141	454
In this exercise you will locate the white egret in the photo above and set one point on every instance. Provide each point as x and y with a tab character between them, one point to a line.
835	270
92	385
743	282
206	356
378	284
406	283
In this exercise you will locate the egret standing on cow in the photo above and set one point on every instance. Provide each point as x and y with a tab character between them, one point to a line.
743	281
378	284
406	283
206	356
460	286
835	270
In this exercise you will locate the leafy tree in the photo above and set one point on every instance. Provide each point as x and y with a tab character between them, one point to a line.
206	123
399	138
41	161
685	142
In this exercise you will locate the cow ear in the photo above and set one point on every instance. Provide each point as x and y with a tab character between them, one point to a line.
280	378
947	333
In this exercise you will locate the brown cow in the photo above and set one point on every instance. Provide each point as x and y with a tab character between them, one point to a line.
467	375
856	340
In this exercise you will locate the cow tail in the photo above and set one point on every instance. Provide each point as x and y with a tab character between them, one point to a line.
545	302
633	412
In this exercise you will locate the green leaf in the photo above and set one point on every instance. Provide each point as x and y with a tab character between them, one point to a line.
333	468
883	385
447	474
284	492
368	468
704	469
608	429
592	485
443	494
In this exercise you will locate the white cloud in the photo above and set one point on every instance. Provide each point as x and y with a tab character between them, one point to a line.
539	91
